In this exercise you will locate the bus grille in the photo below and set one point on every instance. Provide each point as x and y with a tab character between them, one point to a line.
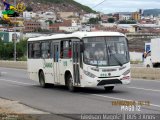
111	81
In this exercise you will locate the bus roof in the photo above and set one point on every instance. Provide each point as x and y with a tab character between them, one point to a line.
76	35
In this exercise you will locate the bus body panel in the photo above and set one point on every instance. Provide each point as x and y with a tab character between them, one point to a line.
55	69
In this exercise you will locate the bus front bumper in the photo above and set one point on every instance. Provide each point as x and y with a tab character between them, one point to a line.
106	81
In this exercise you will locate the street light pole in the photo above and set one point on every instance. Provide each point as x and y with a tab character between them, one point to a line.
15	3
15	37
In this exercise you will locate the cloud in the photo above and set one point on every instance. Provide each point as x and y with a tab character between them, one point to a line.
121	5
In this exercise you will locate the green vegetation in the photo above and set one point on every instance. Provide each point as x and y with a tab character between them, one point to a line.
72	2
127	22
93	20
29	8
50	22
7	50
111	20
6	23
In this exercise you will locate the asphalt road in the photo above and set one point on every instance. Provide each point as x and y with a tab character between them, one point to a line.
15	85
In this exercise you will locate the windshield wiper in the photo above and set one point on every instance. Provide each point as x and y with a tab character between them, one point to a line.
118	61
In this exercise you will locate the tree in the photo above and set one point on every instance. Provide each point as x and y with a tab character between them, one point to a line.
127	22
93	20
7	49
111	20
29	8
50	22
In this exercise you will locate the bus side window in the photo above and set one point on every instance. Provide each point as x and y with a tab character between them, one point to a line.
36	50
45	50
66	51
30	50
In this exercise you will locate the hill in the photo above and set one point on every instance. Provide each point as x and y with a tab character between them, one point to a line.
154	12
56	5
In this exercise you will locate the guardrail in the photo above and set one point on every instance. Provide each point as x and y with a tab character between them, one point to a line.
136	72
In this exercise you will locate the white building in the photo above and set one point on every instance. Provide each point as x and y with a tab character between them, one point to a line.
85	18
124	17
108	24
47	16
128	27
44	24
75	26
68	29
29	15
1	15
9	36
158	21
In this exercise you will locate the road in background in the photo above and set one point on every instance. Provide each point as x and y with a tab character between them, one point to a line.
15	85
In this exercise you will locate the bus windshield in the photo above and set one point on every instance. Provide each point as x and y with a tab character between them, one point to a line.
105	51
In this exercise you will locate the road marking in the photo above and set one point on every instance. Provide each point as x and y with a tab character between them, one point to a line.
146	80
2	73
144	89
121	99
16	82
13	69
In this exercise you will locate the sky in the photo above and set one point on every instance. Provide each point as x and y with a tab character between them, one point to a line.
111	6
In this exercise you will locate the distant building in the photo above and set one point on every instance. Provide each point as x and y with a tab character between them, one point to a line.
55	27
65	26
128	27
104	18
136	16
47	16
10	36
29	15
44	24
31	26
65	15
124	17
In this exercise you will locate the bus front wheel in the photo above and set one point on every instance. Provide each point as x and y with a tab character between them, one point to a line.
109	88
70	86
42	79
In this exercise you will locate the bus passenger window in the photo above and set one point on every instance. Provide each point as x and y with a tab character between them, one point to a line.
70	53
45	50
36	50
66	50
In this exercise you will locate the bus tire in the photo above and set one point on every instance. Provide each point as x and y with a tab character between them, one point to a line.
109	88
42	80
70	86
148	66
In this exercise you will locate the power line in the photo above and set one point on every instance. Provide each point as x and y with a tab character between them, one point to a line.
99	4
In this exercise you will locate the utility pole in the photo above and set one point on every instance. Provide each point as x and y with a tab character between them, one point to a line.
15	3
15	36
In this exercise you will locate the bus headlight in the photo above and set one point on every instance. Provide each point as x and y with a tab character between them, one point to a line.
89	74
126	72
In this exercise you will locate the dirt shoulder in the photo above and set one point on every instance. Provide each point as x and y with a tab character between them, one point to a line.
13	110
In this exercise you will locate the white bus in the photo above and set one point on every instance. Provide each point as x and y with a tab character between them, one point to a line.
80	59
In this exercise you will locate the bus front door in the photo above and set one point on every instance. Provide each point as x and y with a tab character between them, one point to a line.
56	63
76	61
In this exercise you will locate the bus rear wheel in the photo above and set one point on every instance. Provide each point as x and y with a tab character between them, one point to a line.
109	88
42	80
70	86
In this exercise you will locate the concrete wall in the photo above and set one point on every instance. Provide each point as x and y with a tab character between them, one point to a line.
136	72
136	56
145	73
13	64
